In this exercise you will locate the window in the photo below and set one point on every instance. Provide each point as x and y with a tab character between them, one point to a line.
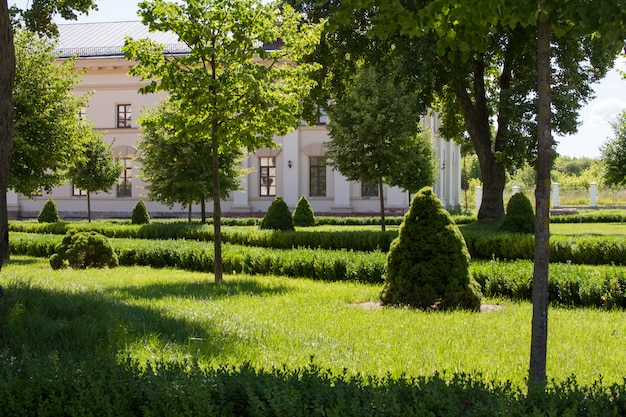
267	169
369	189
317	176
77	192
322	118
125	182
123	115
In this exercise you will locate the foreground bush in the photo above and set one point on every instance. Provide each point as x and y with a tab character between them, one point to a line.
278	216
82	250
428	262
58	386
303	215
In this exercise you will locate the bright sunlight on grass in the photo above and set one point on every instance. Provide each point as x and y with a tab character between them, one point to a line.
274	321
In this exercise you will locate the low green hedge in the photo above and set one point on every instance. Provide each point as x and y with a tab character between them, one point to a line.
575	285
59	386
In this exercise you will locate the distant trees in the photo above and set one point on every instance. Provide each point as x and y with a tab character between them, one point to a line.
614	154
376	137
97	170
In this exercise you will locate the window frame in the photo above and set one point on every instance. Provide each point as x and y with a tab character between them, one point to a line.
317	176
124	116
267	176
124	187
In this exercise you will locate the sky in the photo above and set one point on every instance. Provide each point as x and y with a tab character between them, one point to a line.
594	118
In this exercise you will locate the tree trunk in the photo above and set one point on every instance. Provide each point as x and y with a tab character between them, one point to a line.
539	338
476	117
217	205
89	206
7	75
189	213
382	203
203	211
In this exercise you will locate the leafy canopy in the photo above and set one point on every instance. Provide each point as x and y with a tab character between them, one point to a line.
614	154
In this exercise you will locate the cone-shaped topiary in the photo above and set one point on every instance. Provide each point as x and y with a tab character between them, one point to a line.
140	214
82	250
427	264
49	213
303	215
278	216
520	216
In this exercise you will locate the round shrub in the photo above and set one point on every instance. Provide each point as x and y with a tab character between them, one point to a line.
520	216
428	263
140	214
82	250
278	216
49	213
303	215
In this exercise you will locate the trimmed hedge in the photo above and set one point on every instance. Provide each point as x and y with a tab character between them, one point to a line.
55	386
572	285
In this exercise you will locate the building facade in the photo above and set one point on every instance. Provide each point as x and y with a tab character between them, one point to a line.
296	168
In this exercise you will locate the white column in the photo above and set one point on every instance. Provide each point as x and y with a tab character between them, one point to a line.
515	189
342	192
395	197
291	168
556	196
13	205
593	193
479	196
240	197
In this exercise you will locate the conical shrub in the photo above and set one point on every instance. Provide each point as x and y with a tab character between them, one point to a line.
278	216
303	215
428	263
49	213
520	216
140	214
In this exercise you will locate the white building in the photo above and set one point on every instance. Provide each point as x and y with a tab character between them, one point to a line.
294	169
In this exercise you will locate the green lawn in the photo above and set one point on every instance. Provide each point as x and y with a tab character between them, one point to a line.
266	321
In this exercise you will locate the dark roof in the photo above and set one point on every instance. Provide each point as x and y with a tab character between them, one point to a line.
107	39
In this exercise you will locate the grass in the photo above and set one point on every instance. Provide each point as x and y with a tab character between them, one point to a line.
269	321
588	228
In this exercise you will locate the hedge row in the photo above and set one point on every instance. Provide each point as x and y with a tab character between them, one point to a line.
572	285
59	386
569	285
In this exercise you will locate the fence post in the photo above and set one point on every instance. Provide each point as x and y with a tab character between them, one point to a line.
555	194
593	194
479	196
515	189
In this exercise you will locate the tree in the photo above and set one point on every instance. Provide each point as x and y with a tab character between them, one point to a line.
234	92
614	154
39	19
174	162
376	136
97	170
483	72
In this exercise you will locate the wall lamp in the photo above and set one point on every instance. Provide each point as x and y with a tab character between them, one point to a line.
289	163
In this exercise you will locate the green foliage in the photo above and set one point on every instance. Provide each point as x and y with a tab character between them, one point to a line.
428	262
520	216
303	216
81	250
140	214
43	102
614	154
49	213
278	216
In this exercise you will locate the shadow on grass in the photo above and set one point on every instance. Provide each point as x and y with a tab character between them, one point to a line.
76	323
206	290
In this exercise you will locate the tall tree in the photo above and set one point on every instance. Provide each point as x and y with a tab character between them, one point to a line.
614	153
236	91
484	73
97	169
175	163
49	134
376	136
38	18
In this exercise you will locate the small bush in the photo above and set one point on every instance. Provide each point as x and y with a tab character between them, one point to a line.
140	214
428	263
303	215
278	216
82	250
49	213
520	217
